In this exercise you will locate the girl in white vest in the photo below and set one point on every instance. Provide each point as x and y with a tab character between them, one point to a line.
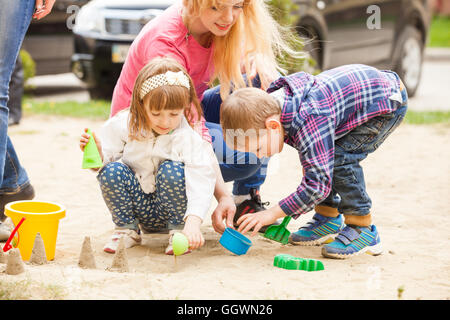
157	173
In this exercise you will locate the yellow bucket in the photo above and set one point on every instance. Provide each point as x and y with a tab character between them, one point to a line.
40	216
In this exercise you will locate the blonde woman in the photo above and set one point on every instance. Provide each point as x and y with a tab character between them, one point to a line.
214	39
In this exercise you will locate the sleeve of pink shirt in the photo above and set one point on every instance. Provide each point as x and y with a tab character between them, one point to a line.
140	54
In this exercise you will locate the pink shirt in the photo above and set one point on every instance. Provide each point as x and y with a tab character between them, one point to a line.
166	35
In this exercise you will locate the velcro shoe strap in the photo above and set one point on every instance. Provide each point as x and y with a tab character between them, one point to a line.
347	235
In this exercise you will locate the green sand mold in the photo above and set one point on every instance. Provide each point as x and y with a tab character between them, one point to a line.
289	262
91	155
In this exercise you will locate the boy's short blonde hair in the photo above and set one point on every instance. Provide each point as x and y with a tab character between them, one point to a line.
247	108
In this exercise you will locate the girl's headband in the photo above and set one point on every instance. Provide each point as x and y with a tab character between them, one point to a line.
169	78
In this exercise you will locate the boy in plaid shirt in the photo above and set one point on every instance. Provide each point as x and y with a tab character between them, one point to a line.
334	120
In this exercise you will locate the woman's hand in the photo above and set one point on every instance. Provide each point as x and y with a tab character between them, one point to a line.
251	72
192	232
265	76
225	210
43	8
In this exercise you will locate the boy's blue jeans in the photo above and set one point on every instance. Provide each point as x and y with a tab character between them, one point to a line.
348	193
15	17
245	169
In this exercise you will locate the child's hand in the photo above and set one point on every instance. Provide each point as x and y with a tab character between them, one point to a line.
43	8
225	209
192	232
85	138
259	219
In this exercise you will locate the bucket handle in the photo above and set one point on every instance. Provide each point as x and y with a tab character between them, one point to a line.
8	245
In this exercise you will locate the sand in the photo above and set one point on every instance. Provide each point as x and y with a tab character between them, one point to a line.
2	255
120	260
408	179
38	255
14	263
87	257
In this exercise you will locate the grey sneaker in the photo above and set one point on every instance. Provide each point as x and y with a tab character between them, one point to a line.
5	232
26	193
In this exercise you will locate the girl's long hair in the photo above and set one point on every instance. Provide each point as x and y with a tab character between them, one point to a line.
255	35
165	97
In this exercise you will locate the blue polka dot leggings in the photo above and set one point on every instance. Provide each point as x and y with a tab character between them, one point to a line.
130	206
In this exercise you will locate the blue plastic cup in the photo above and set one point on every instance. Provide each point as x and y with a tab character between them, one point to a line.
235	242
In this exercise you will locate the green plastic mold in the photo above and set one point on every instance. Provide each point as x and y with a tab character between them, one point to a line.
289	262
91	156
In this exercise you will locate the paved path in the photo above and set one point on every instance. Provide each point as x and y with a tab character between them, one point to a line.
434	89
433	92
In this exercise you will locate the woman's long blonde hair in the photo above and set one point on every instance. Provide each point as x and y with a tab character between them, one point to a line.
166	97
255	34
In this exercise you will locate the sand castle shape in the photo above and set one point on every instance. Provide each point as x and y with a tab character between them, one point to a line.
120	260
86	259
38	255
14	264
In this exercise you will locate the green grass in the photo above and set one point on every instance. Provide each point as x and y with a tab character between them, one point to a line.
95	109
427	117
27	289
440	32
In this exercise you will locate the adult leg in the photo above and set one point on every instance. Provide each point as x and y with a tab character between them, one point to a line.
211	101
15	17
245	169
16	93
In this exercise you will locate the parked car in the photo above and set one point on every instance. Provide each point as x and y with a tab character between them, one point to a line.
347	31
104	31
391	34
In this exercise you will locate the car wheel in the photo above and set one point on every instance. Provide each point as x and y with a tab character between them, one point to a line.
104	92
408	58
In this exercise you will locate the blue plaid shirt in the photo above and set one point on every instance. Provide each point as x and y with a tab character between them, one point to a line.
317	110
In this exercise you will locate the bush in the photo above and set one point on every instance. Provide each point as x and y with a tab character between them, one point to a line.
29	66
283	12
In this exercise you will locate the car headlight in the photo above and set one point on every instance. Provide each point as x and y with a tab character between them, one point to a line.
89	19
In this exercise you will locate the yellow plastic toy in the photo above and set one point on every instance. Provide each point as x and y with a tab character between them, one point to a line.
40	216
